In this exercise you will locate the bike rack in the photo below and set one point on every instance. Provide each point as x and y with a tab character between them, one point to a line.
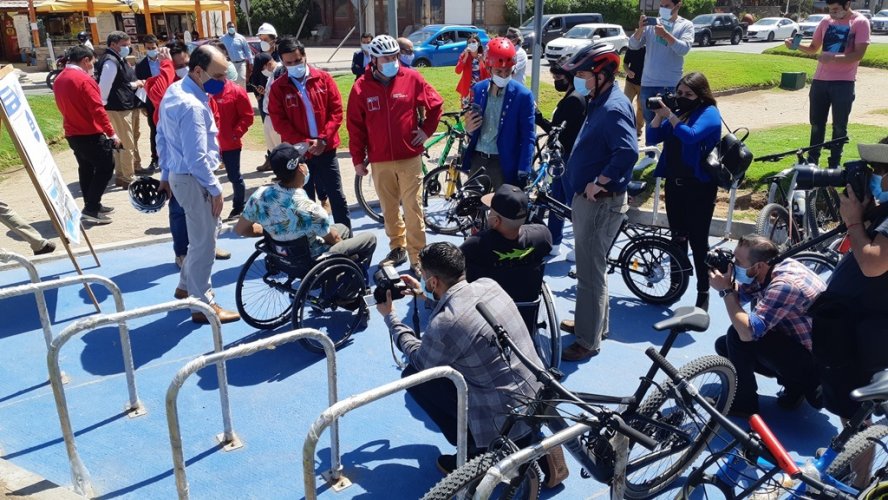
6	256
79	474
219	358
330	416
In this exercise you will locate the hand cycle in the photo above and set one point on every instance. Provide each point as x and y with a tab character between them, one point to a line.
664	435
441	182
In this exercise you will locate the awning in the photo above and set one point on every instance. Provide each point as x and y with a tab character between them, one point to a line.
16	4
186	5
80	6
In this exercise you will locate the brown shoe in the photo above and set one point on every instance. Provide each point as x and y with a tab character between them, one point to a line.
222	254
180	294
554	467
265	167
567	325
576	352
224	316
121	184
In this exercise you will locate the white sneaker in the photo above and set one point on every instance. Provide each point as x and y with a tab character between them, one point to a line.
571	256
556	250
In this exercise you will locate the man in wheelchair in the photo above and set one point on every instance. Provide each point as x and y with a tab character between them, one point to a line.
285	213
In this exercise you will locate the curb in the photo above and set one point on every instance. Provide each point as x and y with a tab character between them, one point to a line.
716	228
20	483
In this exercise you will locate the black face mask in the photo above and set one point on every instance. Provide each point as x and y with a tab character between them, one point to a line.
562	85
684	104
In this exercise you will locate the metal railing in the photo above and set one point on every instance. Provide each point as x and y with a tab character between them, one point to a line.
6	256
79	474
330	416
238	352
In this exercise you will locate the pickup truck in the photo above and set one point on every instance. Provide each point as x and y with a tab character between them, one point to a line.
710	28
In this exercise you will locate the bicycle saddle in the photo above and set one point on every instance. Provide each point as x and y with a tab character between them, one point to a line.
635	188
686	319
877	390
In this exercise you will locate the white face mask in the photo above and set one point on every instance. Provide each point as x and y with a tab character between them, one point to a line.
665	13
182	72
473	47
500	81
265	46
267	73
365	47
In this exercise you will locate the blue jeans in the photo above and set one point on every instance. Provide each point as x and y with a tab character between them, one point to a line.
232	160
178	228
555	223
647	93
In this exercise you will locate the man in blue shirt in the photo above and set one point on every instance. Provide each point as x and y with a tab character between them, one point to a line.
146	68
189	154
599	168
239	52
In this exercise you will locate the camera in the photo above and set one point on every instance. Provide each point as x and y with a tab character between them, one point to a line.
719	259
388	280
668	100
855	173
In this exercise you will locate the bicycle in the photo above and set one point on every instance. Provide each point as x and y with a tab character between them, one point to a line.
669	439
365	192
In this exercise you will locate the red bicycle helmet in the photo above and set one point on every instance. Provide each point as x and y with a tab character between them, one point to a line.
500	53
595	58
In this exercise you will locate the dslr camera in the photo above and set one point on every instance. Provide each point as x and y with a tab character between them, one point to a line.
719	259
668	100
388	280
855	173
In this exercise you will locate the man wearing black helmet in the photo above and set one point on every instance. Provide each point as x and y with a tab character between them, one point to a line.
599	169
83	38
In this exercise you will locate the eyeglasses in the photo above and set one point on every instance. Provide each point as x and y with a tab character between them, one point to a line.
407	51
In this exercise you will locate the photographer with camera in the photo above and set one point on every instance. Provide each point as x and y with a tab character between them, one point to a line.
688	124
850	331
774	338
459	337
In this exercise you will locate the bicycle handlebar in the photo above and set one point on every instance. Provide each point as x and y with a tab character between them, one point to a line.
798	151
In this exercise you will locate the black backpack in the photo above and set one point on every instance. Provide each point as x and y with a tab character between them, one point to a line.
729	159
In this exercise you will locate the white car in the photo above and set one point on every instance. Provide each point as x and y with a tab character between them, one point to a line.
772	28
809	25
880	21
582	35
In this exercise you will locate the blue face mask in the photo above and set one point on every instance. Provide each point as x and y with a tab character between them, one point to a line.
876	189
429	295
231	31
297	72
390	69
741	277
213	86
124	51
580	86
406	59
152	54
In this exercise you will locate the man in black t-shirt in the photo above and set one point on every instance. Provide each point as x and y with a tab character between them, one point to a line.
633	66
509	252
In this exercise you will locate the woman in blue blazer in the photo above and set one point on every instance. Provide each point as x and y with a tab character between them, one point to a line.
688	132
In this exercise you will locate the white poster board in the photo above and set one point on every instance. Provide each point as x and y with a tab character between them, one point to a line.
34	147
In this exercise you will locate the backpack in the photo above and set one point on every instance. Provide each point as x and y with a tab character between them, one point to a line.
729	159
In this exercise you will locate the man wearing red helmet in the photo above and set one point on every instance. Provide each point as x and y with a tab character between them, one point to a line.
501	127
599	169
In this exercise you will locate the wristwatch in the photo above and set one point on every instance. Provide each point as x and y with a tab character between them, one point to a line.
727	291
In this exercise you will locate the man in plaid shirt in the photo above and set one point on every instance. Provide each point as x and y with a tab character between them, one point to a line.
774	337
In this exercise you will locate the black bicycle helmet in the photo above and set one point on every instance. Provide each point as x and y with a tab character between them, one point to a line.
557	69
83	36
595	58
145	195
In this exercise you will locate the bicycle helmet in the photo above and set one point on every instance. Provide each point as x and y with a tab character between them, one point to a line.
145	195
83	36
595	58
500	53
384	45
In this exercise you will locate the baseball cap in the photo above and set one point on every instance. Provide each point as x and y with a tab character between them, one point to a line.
284	160
508	201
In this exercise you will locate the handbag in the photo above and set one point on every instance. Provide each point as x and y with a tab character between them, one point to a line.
728	161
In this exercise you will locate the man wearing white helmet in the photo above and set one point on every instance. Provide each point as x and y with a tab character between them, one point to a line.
385	129
268	40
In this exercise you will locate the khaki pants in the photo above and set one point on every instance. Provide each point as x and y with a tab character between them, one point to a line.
633	91
241	68
126	160
10	219
399	184
272	138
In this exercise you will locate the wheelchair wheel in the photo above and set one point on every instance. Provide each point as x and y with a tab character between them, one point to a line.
548	334
330	300
263	295
655	270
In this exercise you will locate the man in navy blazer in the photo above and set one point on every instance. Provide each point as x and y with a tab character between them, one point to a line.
146	68
501	126
361	58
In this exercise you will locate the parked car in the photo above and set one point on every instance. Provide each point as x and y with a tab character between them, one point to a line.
554	26
586	34
868	14
441	45
710	28
880	21
809	25
772	28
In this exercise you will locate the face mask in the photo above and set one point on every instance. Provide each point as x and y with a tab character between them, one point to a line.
876	189
231	31
428	293
406	59
500	81
365	47
182	72
665	13
213	86
307	177
265	46
297	72
838	16
124	51
562	85
684	104
741	276
390	69
231	72
473	47
580	85
152	54
267	73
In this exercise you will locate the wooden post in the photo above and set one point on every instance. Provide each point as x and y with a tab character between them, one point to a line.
232	12
198	16
93	26
32	17
146	9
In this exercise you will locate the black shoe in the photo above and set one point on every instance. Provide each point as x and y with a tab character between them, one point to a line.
105	210
235	213
702	300
144	171
395	258
96	218
48	247
790	398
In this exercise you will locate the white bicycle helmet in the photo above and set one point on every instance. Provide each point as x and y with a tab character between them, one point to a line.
384	45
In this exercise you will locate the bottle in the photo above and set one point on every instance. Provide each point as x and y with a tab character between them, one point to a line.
773	489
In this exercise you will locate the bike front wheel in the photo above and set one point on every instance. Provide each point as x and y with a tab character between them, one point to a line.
463	482
681	430
365	192
655	270
869	445
440	194
822	264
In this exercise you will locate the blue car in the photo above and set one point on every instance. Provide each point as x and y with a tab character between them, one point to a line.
441	44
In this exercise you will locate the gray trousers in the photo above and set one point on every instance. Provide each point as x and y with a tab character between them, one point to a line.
358	246
595	224
21	228
202	230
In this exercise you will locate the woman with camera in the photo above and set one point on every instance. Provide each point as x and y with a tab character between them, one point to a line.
471	66
689	126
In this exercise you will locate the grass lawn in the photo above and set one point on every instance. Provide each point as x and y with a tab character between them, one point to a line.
48	118
876	55
728	70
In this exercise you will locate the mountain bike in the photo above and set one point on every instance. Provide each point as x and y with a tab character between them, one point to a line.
365	191
664	434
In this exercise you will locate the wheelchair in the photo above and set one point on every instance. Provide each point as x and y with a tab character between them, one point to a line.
542	323
282	282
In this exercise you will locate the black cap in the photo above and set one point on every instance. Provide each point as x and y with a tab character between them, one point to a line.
508	201
281	158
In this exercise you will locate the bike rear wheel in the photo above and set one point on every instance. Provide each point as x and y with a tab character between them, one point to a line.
655	270
870	442
365	192
822	210
463	482
822	264
440	194
651	471
773	223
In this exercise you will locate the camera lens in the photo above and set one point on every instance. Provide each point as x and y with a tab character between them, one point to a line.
812	177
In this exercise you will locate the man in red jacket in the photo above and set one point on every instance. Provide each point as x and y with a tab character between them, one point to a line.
384	129
88	130
305	106
233	119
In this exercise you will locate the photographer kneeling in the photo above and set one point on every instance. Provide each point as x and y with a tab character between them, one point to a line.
457	336
774	339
